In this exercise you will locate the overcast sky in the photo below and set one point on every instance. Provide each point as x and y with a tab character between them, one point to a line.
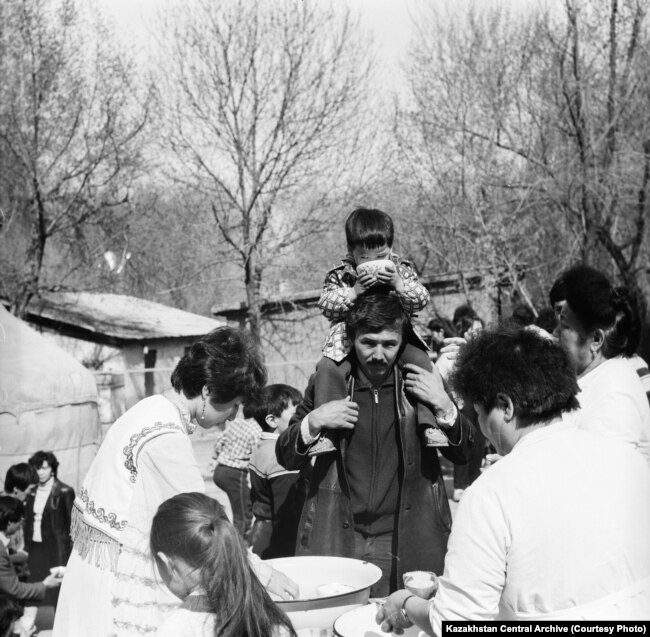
389	20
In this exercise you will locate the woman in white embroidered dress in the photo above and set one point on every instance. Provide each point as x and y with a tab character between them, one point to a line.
111	586
558	528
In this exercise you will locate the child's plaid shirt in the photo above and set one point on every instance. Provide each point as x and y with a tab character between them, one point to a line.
335	301
237	443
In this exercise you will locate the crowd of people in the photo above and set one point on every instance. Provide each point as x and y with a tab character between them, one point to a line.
35	542
556	527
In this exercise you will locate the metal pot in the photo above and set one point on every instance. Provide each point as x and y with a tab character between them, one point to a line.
314	611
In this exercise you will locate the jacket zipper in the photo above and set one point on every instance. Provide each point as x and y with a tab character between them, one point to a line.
375	446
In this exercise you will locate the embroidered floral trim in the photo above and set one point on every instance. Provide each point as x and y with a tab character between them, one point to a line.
136	438
99	513
131	627
147	582
164	608
136	553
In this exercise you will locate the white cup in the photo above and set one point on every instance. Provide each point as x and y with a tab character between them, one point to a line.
421	583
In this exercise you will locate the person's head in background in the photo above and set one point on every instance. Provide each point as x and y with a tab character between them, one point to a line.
10	612
12	514
515	379
46	465
221	369
197	549
369	234
21	481
597	321
557	296
273	406
466	321
437	329
547	320
522	315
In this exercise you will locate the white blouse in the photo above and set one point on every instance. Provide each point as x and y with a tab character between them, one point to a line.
557	529
615	404
40	500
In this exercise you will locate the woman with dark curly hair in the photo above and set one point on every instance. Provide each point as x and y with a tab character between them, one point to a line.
111	586
47	521
546	534
599	328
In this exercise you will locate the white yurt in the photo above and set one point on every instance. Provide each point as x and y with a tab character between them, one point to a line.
48	401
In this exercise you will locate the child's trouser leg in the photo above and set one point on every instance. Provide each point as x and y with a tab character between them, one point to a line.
330	383
235	483
431	434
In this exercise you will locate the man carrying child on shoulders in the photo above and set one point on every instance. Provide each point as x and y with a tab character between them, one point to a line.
381	496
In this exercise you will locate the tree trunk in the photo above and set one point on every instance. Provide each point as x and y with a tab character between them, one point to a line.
253	281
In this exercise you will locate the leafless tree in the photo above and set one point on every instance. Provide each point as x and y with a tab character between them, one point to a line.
541	119
70	123
262	103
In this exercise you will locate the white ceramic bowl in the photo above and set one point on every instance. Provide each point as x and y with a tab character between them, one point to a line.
373	267
361	622
313	610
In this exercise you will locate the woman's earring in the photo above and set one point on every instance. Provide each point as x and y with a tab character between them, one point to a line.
203	411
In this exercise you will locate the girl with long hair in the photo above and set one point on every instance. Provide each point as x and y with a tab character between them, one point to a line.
203	561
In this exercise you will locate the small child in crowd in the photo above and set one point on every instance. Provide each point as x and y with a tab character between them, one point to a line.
369	235
203	561
277	494
232	453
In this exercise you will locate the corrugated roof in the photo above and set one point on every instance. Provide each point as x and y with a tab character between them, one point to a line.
118	316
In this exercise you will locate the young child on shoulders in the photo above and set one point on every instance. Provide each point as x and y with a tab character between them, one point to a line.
277	494
369	234
203	561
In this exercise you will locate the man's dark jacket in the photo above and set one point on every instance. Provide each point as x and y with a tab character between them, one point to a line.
423	516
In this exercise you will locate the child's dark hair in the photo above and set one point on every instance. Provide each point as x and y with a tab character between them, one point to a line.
271	401
10	611
20	476
11	510
194	527
369	228
40	457
226	360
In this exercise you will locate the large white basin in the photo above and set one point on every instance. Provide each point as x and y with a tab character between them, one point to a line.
310	610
